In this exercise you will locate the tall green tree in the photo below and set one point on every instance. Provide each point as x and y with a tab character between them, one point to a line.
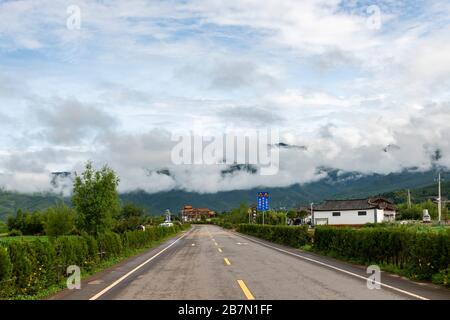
96	199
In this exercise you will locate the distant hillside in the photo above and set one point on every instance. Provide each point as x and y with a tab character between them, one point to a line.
10	202
336	185
419	194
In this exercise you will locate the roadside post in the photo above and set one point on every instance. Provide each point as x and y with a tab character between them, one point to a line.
263	203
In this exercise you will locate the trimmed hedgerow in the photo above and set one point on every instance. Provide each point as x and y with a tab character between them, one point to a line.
422	254
5	271
28	267
293	236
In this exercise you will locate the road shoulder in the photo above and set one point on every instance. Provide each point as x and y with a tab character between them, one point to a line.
92	285
420	289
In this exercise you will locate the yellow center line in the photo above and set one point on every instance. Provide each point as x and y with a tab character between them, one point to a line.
220	250
246	291
227	261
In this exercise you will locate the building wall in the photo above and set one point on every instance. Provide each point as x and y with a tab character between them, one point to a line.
349	217
380	215
390	218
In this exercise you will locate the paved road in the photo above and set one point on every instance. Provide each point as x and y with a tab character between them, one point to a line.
209	262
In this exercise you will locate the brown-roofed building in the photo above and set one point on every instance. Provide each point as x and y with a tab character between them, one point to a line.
190	214
354	211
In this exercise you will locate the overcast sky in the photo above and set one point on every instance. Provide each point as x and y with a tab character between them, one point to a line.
357	93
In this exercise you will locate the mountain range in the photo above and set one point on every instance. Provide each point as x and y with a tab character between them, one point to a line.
336	185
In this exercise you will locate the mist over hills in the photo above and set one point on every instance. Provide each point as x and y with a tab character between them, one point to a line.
335	185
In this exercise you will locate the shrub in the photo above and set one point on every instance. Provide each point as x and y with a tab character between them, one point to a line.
5	272
288	235
442	278
421	253
15	233
22	265
5	265
28	223
109	244
30	266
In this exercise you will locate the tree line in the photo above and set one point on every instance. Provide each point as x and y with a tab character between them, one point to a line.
95	209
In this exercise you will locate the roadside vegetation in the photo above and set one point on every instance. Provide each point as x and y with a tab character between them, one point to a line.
96	232
420	253
295	237
415	250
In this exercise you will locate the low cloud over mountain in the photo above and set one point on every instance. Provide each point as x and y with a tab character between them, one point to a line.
119	89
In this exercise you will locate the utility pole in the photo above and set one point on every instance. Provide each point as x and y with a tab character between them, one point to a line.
312	215
439	197
409	199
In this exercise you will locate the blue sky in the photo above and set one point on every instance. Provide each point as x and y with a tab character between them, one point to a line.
135	72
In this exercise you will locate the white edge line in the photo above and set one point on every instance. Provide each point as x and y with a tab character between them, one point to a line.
333	267
115	283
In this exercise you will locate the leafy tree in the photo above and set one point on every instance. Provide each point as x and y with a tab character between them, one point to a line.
96	199
272	217
131	217
27	223
406	213
60	220
130	210
238	215
292	214
416	211
303	213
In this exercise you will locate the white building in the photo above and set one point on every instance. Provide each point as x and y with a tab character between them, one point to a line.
354	212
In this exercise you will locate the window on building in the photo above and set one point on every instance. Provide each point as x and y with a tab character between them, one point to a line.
336	214
362	213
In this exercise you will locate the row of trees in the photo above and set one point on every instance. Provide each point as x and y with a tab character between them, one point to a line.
64	220
415	211
271	217
96	208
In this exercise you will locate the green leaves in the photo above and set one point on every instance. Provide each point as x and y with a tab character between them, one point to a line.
288	235
5	265
96	200
60	220
422	253
30	266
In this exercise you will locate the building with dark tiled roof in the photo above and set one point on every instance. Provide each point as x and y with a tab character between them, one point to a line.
354	211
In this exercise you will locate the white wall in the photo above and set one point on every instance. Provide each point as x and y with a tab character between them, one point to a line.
380	215
349	217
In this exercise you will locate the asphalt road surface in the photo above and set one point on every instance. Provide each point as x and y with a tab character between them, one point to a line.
208	262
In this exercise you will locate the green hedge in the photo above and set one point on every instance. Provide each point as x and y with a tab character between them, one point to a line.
27	267
422	254
294	236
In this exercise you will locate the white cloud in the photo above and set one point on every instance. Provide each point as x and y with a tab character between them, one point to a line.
137	71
